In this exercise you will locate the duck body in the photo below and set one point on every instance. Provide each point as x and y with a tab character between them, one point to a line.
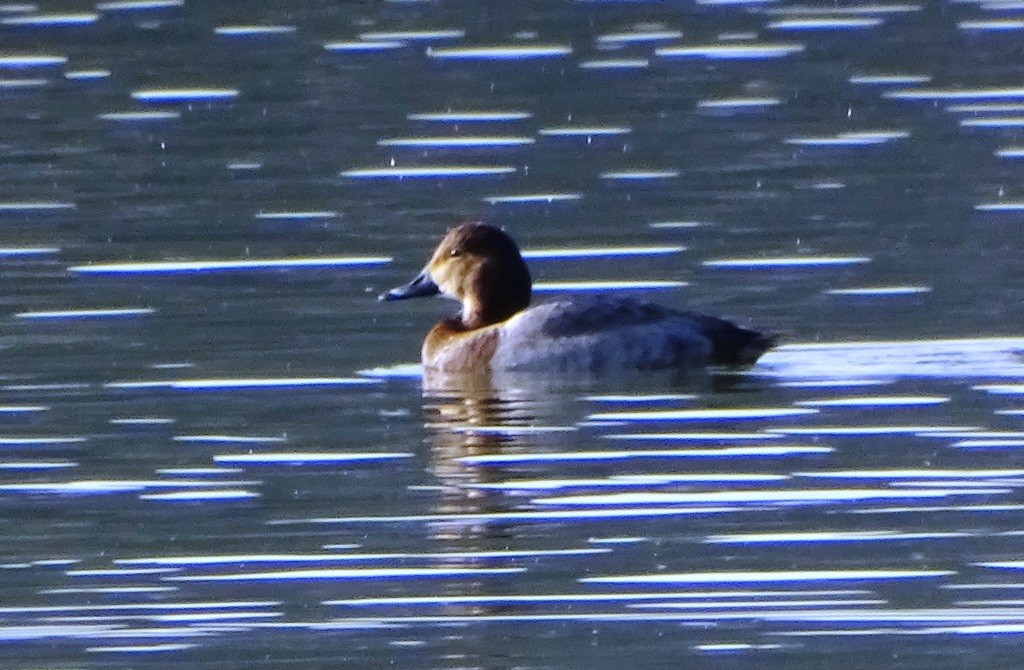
497	330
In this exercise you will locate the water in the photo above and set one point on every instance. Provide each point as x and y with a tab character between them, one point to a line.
216	449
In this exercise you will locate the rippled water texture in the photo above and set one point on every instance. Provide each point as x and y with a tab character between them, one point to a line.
216	448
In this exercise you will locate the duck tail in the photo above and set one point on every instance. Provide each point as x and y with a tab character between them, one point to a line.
736	346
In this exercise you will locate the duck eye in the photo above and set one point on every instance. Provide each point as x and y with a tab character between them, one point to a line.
453	253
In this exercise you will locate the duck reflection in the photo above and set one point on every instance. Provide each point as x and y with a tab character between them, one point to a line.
467	415
470	415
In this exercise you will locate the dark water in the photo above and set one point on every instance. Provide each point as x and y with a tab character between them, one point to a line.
212	451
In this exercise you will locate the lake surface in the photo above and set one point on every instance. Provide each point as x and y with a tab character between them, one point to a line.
216	450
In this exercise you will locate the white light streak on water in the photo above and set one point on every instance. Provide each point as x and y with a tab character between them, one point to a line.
18	409
414	35
111	590
170	267
470	116
543	198
120	572
45	387
988	444
549	287
890	79
875	401
836	383
847	9
102	487
981	357
137	5
933	94
994	122
639	175
1002	206
465	142
941	509
1011	152
55	20
308	458
513	52
142	648
838	595
153	115
769	577
24	83
992	25
31	61
640	455
725	414
1002	565
143	606
231	439
880	291
987	108
628	37
859	138
599	252
300	216
584	131
837	23
429	172
229	384
37	465
400	371
614	64
75	488
142	421
199	496
738	103
753	605
793	262
910	474
899	616
86	313
253	31
184	94
27	251
1001	389
830	537
40	441
348	574
364	47
756	497
746	50
86	75
41	206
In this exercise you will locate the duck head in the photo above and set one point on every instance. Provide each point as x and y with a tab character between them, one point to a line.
478	265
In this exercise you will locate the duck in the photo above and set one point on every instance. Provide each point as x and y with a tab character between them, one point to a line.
481	266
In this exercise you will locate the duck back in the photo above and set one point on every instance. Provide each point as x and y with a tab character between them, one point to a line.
601	334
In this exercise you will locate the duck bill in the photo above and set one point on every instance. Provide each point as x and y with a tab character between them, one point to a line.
421	286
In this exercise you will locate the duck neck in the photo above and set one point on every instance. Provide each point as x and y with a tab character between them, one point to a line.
497	295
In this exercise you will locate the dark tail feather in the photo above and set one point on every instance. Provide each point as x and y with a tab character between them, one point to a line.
735	346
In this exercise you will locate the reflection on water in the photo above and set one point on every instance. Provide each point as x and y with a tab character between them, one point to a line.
201	200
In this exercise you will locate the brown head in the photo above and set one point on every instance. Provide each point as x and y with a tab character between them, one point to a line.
479	265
